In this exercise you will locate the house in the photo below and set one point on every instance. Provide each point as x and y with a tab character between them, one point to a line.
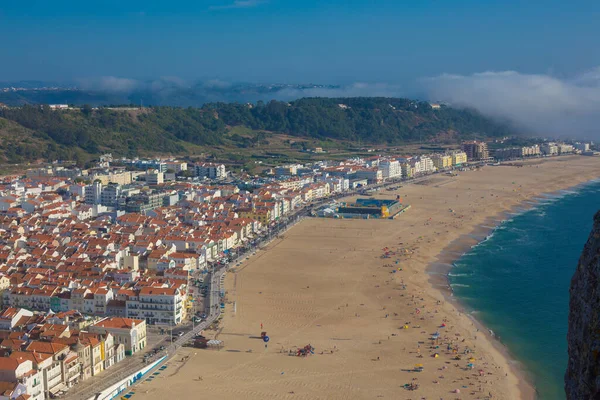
129	332
52	376
13	391
10	317
22	371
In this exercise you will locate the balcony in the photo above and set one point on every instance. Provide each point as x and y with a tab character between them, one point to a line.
72	375
54	380
157	308
151	301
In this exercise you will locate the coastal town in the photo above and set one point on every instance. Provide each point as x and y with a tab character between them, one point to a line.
100	266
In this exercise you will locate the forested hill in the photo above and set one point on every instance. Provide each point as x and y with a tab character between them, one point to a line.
369	119
37	132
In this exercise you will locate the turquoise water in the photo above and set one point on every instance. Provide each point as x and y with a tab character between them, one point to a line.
517	281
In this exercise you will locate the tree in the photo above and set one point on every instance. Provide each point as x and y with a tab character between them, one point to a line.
86	110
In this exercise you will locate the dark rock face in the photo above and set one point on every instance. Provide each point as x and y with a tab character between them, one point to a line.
582	379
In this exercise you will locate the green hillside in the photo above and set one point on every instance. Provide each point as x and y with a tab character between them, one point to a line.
33	132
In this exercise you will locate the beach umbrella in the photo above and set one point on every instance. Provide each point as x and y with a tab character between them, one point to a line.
456	390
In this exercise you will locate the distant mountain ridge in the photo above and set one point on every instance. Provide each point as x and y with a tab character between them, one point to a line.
38	132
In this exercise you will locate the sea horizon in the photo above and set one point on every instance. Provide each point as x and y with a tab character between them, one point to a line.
495	280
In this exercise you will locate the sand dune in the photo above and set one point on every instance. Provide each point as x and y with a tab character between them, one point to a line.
325	284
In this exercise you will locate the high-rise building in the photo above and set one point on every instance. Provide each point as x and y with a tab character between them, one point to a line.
582	146
110	195
210	170
441	161
476	150
93	193
549	149
390	169
154	177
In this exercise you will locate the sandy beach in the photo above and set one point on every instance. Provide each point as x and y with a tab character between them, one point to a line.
372	321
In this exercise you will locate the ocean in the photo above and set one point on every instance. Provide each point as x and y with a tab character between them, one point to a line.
516	282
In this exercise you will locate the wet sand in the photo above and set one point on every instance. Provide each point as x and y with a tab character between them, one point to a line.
326	284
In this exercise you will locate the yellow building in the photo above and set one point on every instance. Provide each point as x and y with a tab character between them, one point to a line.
459	157
122	178
407	170
4	285
262	215
442	161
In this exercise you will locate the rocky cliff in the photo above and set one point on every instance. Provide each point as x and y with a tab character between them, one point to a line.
582	379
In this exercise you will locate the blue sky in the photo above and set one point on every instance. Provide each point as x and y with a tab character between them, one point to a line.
324	41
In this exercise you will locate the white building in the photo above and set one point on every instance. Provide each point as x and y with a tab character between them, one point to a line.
22	370
11	316
110	195
177	166
549	149
210	170
78	189
287	170
422	165
93	193
372	175
337	185
582	146
163	306
390	169
155	177
564	148
129	332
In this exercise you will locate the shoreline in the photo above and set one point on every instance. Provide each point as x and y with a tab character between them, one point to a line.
440	269
439	280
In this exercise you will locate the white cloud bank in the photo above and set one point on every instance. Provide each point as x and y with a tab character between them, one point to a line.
109	84
540	104
357	89
114	84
